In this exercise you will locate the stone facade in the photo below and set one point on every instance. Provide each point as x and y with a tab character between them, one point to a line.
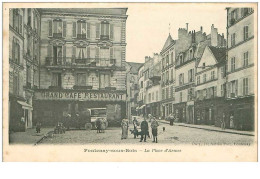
24	40
240	67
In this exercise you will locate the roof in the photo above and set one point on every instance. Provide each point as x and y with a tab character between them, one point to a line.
200	49
134	66
168	42
219	53
106	11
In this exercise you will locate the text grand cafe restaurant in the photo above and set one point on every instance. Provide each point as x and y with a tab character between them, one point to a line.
53	106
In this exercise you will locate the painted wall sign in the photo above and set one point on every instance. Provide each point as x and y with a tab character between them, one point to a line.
80	96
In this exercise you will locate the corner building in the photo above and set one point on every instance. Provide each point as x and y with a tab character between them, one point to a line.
82	63
241	67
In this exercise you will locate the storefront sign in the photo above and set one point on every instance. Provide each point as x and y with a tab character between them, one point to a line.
80	96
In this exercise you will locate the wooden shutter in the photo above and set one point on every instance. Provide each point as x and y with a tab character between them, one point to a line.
74	28
64	29
111	31
73	51
88	52
64	54
50	28
236	87
97	52
97	30
88	30
49	51
228	89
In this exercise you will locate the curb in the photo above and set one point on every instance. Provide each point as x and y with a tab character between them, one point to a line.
215	130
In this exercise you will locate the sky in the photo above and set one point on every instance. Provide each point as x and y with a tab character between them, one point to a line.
147	26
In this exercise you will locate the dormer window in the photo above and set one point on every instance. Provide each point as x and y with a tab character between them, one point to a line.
181	59
203	66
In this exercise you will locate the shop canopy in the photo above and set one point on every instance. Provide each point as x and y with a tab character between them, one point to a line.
25	105
142	107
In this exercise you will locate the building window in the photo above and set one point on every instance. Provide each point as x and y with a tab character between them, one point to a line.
245	59
245	32
153	96
172	92
222	72
81	79
234	17
191	75
17	21
212	75
149	97
181	59
233	64
181	79
56	79
16	84
245	86
167	93
222	90
28	77
81	53
198	80
163	94
233	39
104	80
16	51
172	58
81	29
191	54
204	78
157	96
180	96
57	28
167	60
29	17
234	88
104	30
203	66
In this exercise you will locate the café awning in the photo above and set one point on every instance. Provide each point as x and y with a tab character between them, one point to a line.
25	105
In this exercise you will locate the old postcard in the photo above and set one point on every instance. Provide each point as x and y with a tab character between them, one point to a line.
130	81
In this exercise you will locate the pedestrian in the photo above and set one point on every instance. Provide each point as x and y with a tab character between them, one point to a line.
103	125
38	127
171	118
154	126
223	125
231	125
124	126
77	121
150	117
98	125
144	130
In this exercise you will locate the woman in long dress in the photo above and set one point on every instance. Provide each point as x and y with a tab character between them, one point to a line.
124	126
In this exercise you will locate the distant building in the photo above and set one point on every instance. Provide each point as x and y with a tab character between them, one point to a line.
152	85
210	86
82	63
24	42
141	105
241	67
132	88
185	67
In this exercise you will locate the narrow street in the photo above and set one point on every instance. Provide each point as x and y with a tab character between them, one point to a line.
172	135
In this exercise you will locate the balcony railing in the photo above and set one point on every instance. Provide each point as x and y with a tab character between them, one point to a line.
104	37
81	36
57	35
87	62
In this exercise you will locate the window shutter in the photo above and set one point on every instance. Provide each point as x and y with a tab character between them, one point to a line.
236	88
250	86
88	30
64	54
73	51
111	53
215	91
88	52
242	12
13	50
97	52
84	26
111	31
64	28
228	89
97	30
50	28
74	29
49	51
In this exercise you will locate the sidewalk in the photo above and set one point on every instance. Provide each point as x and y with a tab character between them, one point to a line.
28	137
212	128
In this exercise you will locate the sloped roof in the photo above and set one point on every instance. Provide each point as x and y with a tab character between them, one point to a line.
134	66
200	49
168	42
219	53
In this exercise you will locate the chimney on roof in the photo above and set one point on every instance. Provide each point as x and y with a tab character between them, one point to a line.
187	27
201	29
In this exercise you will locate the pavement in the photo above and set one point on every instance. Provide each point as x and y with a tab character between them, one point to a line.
28	137
213	128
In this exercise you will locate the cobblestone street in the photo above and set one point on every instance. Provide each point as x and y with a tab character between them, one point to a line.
173	135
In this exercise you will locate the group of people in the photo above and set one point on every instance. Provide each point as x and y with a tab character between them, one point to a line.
101	125
144	128
223	122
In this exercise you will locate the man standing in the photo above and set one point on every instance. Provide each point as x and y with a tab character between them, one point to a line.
144	130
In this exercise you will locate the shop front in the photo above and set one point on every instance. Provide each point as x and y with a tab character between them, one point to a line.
180	112
20	114
51	107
